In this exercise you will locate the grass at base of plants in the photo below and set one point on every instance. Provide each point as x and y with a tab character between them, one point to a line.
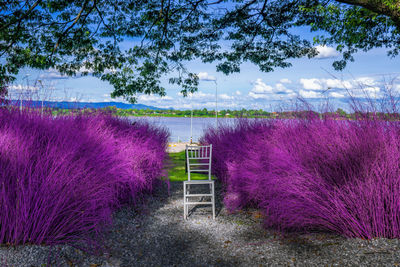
176	169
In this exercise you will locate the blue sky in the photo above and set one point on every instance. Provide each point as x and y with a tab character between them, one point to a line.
312	79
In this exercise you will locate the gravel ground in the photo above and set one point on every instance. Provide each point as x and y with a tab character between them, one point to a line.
155	234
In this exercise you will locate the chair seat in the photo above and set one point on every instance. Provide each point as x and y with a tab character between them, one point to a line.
199	195
199	182
200	203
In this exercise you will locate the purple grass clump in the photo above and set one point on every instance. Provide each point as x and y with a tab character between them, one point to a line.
61	178
331	175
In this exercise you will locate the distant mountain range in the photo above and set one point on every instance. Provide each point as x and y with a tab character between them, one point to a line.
68	105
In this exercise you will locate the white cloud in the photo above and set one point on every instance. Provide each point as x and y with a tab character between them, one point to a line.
167	98
53	74
200	100
153	98
311	84
261	88
309	94
199	96
204	76
262	94
284	80
280	88
326	52
372	90
324	84
366	81
356	87
20	87
225	97
258	96
336	95
336	83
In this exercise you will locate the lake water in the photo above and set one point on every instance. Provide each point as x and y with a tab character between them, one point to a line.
179	127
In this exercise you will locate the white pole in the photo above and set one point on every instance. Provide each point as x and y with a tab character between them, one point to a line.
22	91
216	105
41	86
191	125
191	119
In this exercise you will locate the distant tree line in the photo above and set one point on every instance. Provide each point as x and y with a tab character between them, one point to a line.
172	112
241	113
196	113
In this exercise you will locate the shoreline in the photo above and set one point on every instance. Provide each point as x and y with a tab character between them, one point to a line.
176	147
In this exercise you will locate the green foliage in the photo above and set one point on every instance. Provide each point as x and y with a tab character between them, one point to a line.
341	112
170	112
351	28
196	113
134	44
243	113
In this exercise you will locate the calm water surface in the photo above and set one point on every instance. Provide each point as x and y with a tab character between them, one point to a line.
180	127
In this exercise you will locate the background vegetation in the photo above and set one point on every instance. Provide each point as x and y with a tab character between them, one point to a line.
241	113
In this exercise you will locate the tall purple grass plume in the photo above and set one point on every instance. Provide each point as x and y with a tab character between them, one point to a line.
61	178
332	175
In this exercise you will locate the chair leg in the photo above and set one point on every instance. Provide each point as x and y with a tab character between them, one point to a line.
184	202
185	199
213	200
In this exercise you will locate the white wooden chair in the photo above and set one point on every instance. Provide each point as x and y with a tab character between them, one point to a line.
198	159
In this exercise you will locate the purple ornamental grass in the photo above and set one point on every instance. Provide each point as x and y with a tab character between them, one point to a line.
141	151
330	175
61	178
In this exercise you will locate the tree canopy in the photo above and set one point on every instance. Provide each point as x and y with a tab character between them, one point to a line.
132	44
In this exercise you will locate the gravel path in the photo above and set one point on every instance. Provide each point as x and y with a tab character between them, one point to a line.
154	234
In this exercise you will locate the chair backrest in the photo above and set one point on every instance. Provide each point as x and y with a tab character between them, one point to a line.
198	159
